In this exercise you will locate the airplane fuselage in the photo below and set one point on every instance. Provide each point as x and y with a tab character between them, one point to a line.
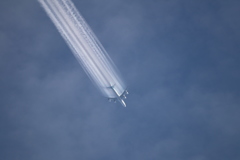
119	97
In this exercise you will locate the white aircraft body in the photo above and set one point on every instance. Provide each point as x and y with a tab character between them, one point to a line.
118	96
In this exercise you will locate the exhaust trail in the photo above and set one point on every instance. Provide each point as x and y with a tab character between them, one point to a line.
86	48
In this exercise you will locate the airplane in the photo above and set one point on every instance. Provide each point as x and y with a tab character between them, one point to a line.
119	97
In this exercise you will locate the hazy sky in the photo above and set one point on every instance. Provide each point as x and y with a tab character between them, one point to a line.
179	59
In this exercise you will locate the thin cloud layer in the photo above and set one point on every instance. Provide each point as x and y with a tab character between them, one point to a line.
179	58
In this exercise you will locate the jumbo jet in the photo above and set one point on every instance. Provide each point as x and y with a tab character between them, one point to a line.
119	97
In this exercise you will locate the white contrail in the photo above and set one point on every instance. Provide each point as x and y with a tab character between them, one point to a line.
86	47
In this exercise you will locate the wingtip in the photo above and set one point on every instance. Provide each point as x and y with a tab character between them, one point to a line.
123	103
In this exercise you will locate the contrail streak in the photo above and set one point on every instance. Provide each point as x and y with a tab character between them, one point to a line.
86	48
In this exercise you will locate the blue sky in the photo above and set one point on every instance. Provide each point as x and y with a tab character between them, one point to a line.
179	59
